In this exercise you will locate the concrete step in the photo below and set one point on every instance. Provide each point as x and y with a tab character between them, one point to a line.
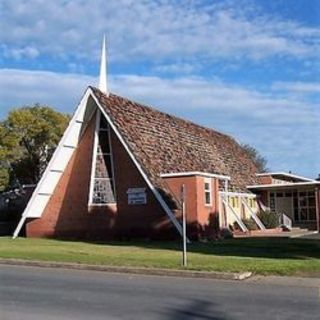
298	229
303	234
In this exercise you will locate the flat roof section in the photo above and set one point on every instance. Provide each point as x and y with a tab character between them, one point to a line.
284	186
284	174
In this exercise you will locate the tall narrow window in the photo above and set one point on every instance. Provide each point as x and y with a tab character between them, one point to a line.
207	192
102	182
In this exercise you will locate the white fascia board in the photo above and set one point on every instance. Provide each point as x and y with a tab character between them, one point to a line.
289	175
143	174
48	185
56	166
73	137
194	173
238	194
94	156
284	185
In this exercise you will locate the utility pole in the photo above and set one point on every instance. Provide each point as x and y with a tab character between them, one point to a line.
184	225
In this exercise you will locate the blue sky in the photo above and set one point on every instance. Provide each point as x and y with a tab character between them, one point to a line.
247	68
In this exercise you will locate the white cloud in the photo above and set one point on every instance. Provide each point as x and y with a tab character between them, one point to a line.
23	87
19	53
192	93
201	94
284	129
152	29
300	87
180	68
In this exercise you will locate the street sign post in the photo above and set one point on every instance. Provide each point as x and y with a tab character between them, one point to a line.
184	225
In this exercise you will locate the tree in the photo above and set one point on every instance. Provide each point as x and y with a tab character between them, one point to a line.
4	178
28	138
257	158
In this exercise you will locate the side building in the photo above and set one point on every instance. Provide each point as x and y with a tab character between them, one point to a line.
296	198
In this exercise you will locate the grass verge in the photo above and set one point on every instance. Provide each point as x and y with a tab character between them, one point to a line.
278	256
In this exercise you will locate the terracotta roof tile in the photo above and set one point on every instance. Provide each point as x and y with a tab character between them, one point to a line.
163	143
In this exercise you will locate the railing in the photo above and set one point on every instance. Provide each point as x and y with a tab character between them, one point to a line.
242	197
254	216
286	221
262	206
239	221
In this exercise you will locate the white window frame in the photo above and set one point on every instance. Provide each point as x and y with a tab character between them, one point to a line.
94	161
209	182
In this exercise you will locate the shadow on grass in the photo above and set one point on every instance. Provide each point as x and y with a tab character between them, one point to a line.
276	248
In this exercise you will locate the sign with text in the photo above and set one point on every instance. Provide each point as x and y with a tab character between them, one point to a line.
137	196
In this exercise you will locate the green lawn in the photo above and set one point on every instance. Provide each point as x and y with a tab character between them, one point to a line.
260	255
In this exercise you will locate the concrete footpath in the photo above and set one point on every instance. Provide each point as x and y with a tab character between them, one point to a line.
131	270
305	280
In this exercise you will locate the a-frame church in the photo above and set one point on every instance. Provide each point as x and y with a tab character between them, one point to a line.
119	168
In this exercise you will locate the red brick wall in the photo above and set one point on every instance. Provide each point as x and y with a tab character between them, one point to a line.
208	216
67	213
265	180
190	182
205	212
200	218
148	220
263	197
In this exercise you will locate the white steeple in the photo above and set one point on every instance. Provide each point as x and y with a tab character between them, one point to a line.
103	85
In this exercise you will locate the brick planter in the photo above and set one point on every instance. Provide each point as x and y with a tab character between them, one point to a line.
263	232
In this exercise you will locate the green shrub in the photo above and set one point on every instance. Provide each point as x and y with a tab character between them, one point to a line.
269	218
250	224
226	233
234	227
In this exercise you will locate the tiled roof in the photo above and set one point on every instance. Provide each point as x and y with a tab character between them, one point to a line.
163	143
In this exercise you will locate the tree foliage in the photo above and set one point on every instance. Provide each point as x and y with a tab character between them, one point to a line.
257	158
28	138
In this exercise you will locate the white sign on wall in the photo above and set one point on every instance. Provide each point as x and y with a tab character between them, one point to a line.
137	196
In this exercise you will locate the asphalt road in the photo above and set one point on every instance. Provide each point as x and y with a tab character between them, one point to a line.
36	293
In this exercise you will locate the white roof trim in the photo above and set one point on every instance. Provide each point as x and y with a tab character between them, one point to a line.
144	175
284	185
194	173
56	166
238	194
281	173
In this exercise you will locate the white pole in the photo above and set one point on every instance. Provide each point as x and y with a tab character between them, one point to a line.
184	225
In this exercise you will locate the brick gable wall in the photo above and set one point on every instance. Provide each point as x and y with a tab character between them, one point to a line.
67	214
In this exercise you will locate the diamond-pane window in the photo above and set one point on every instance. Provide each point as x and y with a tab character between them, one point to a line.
103	191
103	181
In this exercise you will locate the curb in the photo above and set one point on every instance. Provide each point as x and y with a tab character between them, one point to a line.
131	270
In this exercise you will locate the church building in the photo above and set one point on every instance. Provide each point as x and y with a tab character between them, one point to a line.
125	170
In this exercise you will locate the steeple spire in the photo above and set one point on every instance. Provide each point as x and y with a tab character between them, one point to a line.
103	85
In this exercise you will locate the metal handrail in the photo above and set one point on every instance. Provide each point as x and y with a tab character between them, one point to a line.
254	216
239	221
286	221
